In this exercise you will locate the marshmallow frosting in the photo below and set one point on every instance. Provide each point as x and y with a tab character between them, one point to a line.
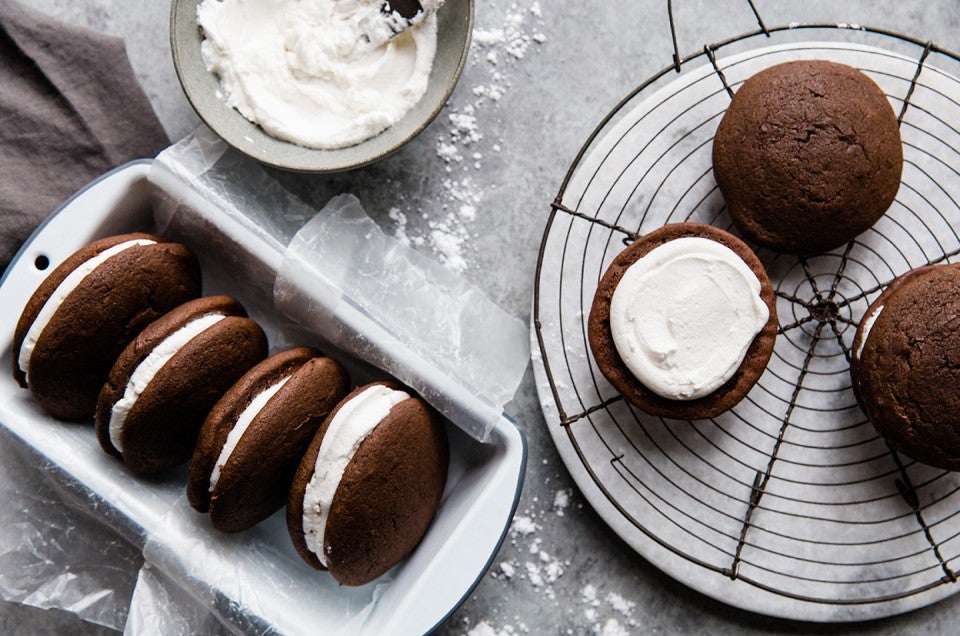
684	315
310	71
64	289
150	366
867	326
352	424
243	423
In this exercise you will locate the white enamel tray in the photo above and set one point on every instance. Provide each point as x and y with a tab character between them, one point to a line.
268	588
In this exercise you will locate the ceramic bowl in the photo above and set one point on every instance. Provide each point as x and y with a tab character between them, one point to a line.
454	27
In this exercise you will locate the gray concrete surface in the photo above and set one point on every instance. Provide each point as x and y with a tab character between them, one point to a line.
592	54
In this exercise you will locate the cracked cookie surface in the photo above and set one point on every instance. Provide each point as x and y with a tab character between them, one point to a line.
808	156
906	365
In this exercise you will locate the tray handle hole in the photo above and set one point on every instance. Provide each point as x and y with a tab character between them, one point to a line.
41	262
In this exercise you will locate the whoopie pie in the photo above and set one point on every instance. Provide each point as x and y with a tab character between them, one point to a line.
89	308
252	441
369	484
166	381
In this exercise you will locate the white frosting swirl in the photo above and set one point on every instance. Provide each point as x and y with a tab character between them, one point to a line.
309	72
352	424
240	427
684	315
865	330
64	289
150	366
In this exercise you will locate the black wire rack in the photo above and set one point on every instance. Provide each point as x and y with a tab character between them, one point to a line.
790	504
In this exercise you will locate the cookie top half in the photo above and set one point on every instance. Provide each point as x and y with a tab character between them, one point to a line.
808	155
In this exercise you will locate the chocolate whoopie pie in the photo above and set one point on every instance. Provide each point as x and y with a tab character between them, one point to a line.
89	308
164	383
684	321
904	365
369	484
808	156
255	436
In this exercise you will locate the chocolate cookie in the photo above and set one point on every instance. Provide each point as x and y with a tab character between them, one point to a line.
682	312
165	382
904	365
255	436
369	484
808	156
89	308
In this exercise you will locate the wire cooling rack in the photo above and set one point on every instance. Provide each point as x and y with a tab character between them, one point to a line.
790	504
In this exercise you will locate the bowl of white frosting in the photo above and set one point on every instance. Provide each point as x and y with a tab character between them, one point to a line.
317	85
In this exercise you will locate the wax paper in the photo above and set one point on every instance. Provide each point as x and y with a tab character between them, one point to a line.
336	273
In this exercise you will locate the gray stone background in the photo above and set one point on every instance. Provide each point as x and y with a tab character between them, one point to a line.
592	53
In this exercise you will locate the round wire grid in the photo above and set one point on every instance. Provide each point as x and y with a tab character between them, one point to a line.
790	504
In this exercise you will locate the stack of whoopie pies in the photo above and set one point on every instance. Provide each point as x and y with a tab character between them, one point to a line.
118	331
807	156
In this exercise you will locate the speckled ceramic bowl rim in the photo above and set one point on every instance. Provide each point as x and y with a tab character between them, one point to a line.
236	130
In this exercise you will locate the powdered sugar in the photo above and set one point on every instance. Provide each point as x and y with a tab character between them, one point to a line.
561	499
484	628
620	604
523	526
496	51
590	599
613	628
533	563
589	595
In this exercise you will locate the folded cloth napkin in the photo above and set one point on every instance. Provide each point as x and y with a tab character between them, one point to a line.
70	110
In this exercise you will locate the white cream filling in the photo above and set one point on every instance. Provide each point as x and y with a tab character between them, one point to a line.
684	316
307	71
352	424
150	366
865	330
243	423
64	289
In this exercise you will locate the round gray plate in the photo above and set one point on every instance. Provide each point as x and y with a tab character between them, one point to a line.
790	504
455	25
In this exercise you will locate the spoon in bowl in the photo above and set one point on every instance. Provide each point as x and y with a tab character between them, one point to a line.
394	17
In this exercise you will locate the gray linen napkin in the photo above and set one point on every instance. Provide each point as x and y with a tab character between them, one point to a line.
70	110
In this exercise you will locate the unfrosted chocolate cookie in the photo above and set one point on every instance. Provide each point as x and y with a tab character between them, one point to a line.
808	156
255	436
905	365
757	353
369	484
89	308
165	382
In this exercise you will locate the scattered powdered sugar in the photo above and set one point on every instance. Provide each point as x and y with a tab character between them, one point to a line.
483	628
534	568
448	241
613	628
496	51
561	499
523	526
620	604
589	595
400	231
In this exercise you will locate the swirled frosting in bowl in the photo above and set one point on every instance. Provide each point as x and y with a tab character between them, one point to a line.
318	73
